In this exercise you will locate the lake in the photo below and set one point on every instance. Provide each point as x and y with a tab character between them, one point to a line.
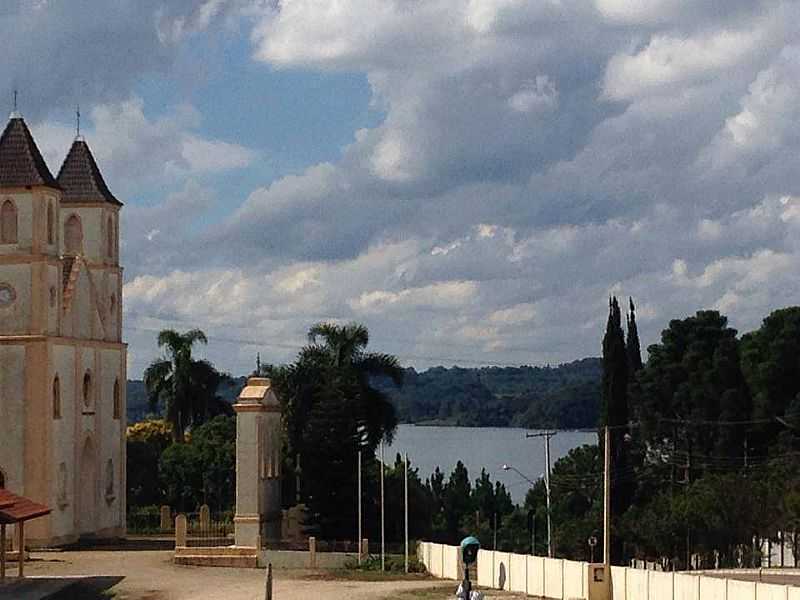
483	447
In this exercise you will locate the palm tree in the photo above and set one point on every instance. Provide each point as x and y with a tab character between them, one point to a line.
185	385
331	412
345	349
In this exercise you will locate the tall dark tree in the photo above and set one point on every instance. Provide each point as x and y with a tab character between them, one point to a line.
331	411
615	414
458	502
614	411
632	345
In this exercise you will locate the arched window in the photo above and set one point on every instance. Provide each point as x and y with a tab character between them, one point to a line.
2	479
87	389
117	404
56	398
110	234
50	225
8	223
73	235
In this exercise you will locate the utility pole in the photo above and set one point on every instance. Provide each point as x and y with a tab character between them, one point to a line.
383	518
406	511
358	539
546	435
607	502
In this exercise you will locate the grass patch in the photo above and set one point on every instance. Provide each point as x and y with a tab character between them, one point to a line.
432	593
347	574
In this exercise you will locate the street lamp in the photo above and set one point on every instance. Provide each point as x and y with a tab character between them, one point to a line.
507	467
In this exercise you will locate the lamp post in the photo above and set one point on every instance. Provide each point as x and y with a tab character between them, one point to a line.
546	435
507	467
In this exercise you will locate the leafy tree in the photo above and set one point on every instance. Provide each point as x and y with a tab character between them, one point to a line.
576	500
203	470
771	363
694	374
420	503
185	385
145	442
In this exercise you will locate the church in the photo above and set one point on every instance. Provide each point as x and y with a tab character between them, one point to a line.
62	359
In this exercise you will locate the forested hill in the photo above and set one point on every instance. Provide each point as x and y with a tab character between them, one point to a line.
565	397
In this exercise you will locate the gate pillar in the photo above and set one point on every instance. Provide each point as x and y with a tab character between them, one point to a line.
258	464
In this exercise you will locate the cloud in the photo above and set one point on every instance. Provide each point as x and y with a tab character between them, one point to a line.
668	61
134	150
529	159
58	54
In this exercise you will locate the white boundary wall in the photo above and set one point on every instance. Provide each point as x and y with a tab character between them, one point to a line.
559	579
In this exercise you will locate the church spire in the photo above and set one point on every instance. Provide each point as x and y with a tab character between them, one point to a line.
21	163
80	177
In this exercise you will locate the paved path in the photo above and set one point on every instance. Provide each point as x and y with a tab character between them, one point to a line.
150	575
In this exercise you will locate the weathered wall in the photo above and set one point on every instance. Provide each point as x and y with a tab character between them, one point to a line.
12	413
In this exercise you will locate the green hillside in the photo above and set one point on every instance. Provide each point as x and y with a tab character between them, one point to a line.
566	396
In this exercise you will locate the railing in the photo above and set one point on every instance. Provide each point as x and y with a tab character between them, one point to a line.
208	534
149	521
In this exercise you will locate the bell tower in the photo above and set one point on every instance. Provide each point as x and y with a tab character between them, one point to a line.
29	247
89	221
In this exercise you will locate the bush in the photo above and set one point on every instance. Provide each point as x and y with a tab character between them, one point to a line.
394	564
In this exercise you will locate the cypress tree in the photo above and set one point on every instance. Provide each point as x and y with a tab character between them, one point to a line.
615	371
633	348
615	415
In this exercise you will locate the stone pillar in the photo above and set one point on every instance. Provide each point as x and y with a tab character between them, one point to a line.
180	531
205	516
258	441
312	552
166	518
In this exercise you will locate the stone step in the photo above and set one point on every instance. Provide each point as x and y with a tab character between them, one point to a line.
242	562
215	551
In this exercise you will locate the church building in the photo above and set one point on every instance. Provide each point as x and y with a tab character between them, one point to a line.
62	360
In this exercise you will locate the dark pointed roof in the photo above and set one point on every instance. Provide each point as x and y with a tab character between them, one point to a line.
21	163
80	178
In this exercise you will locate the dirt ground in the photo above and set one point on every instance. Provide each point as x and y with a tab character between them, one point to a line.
150	575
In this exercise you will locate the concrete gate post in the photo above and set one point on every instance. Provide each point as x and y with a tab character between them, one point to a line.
258	447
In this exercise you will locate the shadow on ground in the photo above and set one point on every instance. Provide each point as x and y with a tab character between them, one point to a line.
60	588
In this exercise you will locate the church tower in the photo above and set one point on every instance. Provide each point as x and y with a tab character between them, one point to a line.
62	361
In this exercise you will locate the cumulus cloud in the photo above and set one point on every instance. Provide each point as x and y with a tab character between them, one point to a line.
93	52
134	150
531	159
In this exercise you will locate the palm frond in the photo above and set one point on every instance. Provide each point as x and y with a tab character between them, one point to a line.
195	335
169	338
377	363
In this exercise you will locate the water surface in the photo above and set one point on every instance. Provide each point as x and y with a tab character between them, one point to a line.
483	447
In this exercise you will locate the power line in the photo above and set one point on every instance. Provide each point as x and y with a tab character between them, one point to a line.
284	346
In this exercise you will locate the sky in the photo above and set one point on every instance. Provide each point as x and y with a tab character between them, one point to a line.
471	179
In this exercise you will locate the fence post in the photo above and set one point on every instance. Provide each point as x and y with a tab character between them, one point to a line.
364	550
166	518
180	531
205	516
268	595
312	552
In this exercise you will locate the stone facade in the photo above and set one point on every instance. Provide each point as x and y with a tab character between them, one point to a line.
258	464
62	360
